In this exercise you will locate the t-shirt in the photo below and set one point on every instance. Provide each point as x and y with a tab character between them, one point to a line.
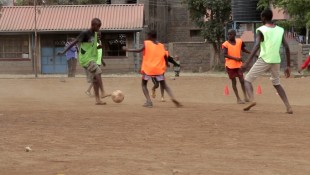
234	51
270	47
88	47
153	62
99	61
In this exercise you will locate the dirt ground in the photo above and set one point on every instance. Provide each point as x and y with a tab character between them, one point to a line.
211	135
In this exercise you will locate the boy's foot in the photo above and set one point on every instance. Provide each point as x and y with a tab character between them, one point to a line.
239	101
250	106
289	111
153	93
177	104
105	95
246	100
88	93
148	104
163	99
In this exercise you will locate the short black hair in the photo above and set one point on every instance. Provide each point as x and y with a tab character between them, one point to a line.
95	20
267	14
232	30
152	34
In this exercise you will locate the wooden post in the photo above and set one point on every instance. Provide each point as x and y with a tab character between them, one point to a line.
307	36
35	56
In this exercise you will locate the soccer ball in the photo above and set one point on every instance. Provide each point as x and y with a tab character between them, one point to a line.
117	96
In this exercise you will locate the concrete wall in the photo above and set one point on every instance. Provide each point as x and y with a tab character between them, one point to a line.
303	52
194	56
16	67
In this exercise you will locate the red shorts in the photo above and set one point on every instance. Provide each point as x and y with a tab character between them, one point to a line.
233	73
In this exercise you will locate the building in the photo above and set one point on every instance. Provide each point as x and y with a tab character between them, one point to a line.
55	24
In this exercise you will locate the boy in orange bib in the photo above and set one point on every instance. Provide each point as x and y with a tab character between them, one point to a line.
153	66
232	51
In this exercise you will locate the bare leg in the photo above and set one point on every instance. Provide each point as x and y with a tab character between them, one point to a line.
283	96
234	86
146	94
250	93
156	85
101	88
162	91
246	99
88	91
168	90
96	84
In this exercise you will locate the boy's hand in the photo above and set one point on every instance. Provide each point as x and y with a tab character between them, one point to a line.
244	67
103	63
99	47
287	72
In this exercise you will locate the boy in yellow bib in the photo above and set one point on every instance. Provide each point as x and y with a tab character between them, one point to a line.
269	40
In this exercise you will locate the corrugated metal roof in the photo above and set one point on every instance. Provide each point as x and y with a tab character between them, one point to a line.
71	17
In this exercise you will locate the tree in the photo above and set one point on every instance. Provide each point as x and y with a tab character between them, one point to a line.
299	10
211	16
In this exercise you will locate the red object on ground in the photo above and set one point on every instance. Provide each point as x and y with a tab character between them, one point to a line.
226	90
259	90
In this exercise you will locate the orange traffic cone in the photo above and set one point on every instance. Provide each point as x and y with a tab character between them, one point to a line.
259	90
226	90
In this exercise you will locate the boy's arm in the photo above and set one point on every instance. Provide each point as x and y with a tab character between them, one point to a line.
69	46
171	60
134	50
288	57
256	47
244	49
225	52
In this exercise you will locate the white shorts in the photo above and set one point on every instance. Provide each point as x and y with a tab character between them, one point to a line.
260	67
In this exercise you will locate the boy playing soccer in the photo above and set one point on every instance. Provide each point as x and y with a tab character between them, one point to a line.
269	40
169	59
232	51
153	65
99	63
88	55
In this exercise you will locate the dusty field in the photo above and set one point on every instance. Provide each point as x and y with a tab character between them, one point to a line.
211	135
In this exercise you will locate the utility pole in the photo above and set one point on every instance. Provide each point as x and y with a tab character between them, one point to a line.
35	57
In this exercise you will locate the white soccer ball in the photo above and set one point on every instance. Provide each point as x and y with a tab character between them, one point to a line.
117	96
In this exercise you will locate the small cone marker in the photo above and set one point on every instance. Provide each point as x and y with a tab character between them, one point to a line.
259	90
226	90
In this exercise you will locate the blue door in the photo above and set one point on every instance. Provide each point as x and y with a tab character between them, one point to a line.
51	63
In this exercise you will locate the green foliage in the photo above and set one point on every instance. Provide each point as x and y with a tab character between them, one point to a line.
211	16
299	10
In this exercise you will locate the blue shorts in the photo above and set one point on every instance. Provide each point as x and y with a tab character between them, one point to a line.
157	77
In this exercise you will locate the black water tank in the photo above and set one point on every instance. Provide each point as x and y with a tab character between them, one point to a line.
245	10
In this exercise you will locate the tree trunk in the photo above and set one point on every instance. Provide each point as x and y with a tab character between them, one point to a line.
216	57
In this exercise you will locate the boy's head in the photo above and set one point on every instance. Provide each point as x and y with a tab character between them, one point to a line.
95	24
266	16
231	34
176	57
152	35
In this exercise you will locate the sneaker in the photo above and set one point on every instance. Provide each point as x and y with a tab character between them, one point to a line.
148	104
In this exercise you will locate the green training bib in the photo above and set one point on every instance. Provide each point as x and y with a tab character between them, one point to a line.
88	52
270	47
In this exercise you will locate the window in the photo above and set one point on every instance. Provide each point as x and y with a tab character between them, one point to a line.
113	45
131	1
195	33
14	47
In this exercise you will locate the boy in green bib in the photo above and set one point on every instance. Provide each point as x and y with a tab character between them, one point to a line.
269	40
88	55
